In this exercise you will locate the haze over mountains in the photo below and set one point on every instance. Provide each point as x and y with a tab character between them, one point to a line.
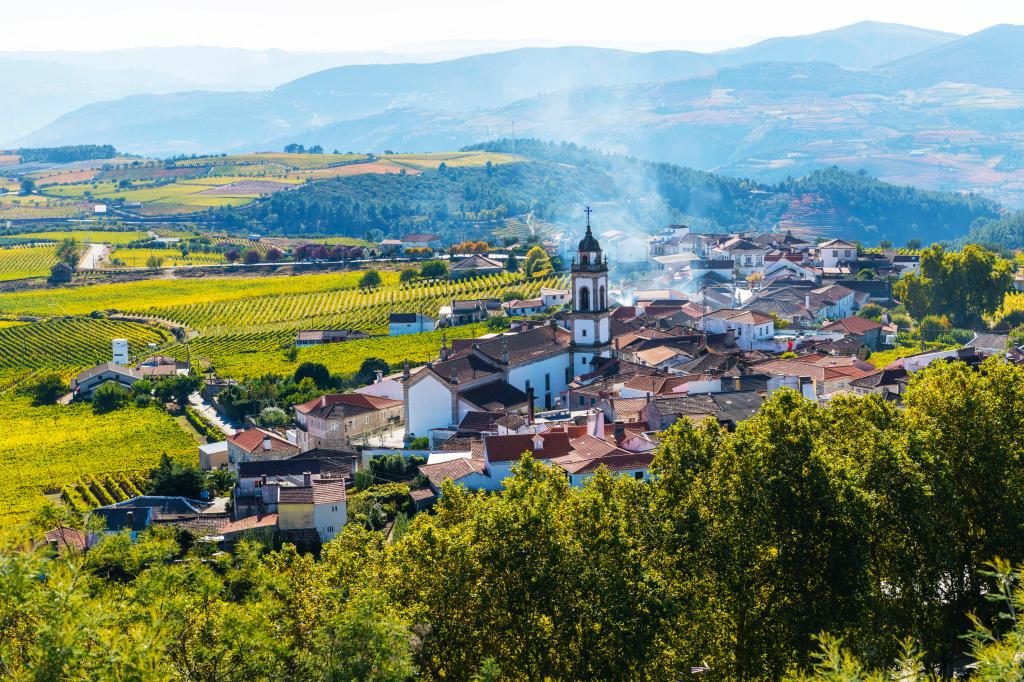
907	104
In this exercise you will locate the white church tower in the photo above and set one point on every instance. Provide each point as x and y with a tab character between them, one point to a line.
590	322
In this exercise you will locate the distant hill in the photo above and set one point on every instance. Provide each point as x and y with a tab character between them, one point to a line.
166	125
859	46
630	194
993	57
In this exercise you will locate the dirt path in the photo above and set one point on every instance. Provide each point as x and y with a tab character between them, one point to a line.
93	256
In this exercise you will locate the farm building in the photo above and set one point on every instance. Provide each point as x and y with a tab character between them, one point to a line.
409	323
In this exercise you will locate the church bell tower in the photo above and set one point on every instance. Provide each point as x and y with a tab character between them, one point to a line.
591	328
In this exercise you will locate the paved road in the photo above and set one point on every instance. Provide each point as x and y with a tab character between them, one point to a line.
93	256
208	411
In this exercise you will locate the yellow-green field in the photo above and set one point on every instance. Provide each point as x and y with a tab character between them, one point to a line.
288	161
85	236
139	258
196	192
19	262
453	159
48	447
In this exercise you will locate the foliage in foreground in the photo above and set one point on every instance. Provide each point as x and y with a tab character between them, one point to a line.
858	520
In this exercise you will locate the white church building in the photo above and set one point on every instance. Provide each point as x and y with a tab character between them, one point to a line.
500	373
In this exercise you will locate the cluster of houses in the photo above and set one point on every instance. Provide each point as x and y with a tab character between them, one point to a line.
727	321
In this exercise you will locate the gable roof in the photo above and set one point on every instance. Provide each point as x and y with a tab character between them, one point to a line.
510	448
453	469
495	395
421	237
476	262
853	325
323	491
338	405
837	244
252	440
85	375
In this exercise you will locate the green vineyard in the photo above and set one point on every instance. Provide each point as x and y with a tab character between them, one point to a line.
47	449
20	262
98	491
343	308
72	342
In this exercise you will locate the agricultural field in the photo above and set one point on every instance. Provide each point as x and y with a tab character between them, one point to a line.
49	448
69	343
84	236
20	262
287	161
15	207
194	192
452	159
139	258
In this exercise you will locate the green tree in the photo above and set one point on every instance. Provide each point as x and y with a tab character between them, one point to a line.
109	397
434	269
316	371
370	279
177	388
512	262
154	262
537	262
367	373
28	186
408	275
48	389
173	479
68	251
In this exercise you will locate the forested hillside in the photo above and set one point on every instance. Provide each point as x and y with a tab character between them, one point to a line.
556	179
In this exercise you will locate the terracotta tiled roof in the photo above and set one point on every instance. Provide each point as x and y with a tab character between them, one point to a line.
588	453
660	354
252	440
454	469
341	404
321	492
67	539
510	448
249	523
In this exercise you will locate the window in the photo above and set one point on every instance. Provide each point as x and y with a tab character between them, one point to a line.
334	508
835	253
600	301
584	299
639	475
584	333
583	401
547	382
847	253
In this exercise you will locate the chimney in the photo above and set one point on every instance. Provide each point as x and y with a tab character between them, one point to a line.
504	352
807	301
380	376
529	405
538	442
405	370
736	384
307	479
266	442
454	376
263	479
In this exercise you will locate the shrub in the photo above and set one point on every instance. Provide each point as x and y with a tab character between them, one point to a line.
370	279
109	397
48	389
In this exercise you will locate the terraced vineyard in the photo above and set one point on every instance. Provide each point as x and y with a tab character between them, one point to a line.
139	258
48	449
19	262
96	491
70	343
91	236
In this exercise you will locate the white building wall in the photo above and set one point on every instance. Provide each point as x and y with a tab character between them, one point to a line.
387	388
429	406
534	373
329	519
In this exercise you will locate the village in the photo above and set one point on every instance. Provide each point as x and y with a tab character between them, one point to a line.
582	378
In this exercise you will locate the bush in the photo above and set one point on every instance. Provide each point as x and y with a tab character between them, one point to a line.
367	373
434	269
48	390
408	275
420	443
204	427
109	397
273	416
872	311
370	279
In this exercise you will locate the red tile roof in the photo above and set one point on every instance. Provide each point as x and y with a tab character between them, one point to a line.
453	469
511	448
359	402
67	539
321	492
249	523
589	453
251	440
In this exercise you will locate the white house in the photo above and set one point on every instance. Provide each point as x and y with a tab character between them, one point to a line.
554	297
625	249
409	323
747	256
748	326
319	505
837	252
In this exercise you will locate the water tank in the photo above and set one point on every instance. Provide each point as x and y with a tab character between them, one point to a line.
120	347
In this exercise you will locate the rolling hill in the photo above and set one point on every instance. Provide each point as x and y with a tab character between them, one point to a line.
201	121
993	58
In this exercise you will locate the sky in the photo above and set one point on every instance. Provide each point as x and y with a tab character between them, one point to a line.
421	25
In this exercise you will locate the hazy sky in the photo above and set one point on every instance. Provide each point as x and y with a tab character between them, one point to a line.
349	25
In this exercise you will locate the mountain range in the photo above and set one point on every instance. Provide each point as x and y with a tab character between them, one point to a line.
908	105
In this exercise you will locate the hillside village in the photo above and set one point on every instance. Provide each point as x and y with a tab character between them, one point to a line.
582	378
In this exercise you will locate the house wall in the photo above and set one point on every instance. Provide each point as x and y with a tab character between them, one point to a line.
534	373
831	258
399	328
577	480
428	406
386	388
213	460
295	516
329	519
